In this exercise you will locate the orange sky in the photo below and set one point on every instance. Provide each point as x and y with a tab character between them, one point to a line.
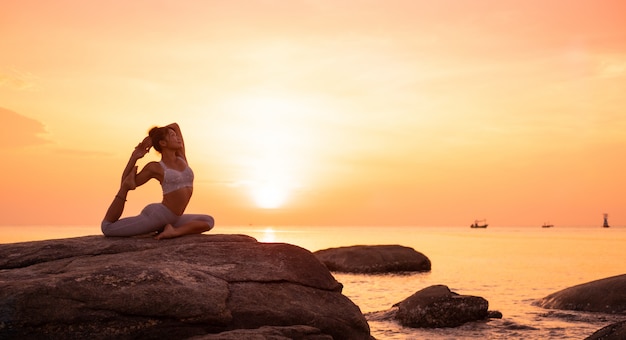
334	112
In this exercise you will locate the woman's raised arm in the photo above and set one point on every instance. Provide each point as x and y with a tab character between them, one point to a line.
181	152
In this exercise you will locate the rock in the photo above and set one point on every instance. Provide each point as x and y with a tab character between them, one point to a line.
606	295
101	288
494	314
616	331
373	259
437	307
269	333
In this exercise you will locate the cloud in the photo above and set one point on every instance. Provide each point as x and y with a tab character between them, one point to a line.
16	79
83	153
18	131
613	67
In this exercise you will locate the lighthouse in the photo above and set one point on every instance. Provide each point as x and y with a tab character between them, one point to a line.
605	224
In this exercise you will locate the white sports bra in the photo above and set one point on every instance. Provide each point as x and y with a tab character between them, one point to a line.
174	179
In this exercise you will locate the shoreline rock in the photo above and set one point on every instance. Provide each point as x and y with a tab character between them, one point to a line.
606	295
438	307
198	285
370	259
615	331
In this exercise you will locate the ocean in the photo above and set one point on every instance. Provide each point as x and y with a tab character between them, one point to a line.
511	267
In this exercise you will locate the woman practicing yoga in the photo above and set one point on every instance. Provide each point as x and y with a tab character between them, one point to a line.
165	218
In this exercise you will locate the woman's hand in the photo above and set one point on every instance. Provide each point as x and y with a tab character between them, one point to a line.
142	148
146	142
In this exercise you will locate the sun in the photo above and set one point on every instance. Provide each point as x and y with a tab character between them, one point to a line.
269	197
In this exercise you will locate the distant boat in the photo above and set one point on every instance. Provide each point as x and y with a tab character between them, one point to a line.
605	224
479	224
547	225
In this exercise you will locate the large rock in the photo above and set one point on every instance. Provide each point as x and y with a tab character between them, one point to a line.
606	295
269	333
437	307
96	287
373	259
616	331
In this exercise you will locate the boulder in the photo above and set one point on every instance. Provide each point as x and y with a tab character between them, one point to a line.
606	295
438	307
616	331
269	333
100	288
373	259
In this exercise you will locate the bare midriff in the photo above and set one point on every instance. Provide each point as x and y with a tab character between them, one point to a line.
177	200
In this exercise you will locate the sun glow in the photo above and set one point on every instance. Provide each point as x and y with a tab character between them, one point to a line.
273	135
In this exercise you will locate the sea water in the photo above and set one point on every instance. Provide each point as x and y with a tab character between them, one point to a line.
511	267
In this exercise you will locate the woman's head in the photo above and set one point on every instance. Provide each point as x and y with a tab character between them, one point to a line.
158	134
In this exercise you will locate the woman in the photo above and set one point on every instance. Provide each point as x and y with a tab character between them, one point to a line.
176	178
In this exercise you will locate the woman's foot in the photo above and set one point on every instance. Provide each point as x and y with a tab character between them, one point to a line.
168	232
129	180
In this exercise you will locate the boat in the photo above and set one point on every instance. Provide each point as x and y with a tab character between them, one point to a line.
547	225
479	224
605	224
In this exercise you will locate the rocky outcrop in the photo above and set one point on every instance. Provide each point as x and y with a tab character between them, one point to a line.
606	296
373	259
269	333
200	285
616	331
437	307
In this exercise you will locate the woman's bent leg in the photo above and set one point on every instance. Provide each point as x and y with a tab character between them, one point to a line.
187	218
153	218
187	224
117	205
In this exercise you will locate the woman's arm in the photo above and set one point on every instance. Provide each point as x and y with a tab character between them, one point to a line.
150	170
140	150
181	152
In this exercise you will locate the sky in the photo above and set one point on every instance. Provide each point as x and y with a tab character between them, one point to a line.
326	112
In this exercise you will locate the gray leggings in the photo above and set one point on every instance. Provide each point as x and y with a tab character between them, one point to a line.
152	218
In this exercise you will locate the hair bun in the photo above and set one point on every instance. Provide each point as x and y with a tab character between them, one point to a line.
157	134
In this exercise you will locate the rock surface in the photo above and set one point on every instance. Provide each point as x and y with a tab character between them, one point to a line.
606	295
438	307
269	333
373	259
616	331
100	288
